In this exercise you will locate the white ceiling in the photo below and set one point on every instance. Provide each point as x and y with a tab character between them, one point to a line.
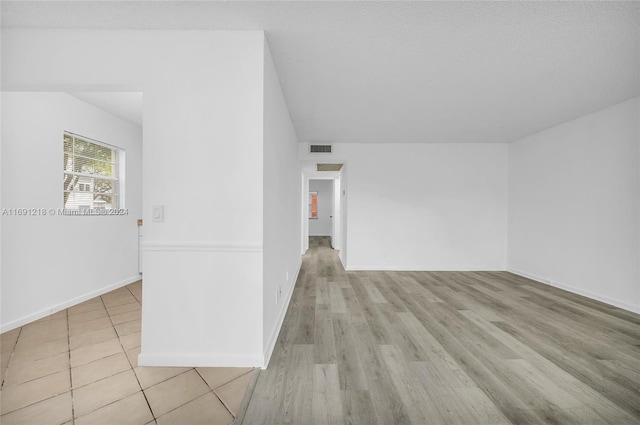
409	71
126	105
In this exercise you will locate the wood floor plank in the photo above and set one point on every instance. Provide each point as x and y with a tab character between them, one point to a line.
421	408
296	407
581	366
327	398
387	406
324	343
352	375
358	407
336	298
376	315
478	407
373	292
445	348
322	291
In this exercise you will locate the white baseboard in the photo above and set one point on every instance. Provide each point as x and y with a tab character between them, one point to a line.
179	246
344	265
426	268
569	288
273	338
199	360
70	303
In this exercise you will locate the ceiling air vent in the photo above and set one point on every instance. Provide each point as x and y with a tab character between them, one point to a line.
319	148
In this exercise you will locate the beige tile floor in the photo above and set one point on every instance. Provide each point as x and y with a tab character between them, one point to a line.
79	366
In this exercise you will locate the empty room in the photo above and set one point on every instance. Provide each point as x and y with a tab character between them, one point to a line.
320	212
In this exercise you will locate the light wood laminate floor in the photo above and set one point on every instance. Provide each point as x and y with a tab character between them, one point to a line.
445	348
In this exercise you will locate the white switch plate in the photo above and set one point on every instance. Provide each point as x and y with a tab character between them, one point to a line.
158	213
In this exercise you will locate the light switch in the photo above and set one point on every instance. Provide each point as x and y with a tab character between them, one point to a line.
158	213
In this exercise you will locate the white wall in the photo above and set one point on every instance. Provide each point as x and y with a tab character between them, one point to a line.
322	226
203	124
282	199
336	239
203	264
304	211
574	205
424	206
343	216
51	262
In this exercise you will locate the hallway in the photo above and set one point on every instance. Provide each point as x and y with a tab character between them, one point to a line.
445	347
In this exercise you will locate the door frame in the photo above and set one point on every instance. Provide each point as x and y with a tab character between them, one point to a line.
338	226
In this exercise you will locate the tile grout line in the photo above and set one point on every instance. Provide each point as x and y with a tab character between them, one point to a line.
125	352
131	362
31	380
34	379
155	419
118	337
9	365
182	405
71	390
224	383
13	350
248	396
216	394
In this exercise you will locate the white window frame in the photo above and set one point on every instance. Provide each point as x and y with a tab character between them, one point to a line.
117	178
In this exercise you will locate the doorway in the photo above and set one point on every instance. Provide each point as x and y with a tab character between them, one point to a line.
324	207
321	207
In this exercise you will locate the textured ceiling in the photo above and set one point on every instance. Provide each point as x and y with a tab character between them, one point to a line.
409	71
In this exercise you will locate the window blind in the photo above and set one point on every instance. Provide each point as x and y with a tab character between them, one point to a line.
90	174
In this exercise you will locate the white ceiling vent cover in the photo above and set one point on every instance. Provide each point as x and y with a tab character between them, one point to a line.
319	148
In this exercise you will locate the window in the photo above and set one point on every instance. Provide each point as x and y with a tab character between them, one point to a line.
91	176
